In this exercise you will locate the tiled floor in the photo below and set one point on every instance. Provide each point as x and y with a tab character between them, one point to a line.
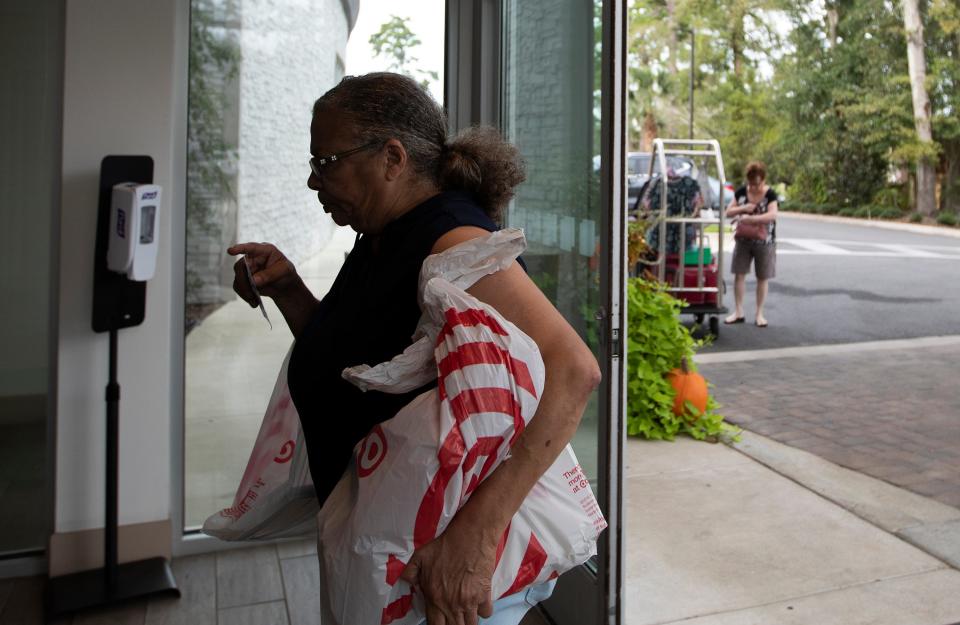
264	585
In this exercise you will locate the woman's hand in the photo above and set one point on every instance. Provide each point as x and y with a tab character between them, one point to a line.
273	274
453	572
276	277
738	210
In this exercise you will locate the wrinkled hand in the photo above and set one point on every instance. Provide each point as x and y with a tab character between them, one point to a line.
454	573
273	273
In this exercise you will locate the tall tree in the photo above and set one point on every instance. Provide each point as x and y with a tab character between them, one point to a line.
394	42
942	42
926	174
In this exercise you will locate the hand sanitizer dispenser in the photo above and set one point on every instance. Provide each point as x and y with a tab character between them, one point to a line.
134	221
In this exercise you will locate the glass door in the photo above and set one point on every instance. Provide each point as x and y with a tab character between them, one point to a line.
31	46
246	181
561	104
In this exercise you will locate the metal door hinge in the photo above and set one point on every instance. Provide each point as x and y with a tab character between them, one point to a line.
614	344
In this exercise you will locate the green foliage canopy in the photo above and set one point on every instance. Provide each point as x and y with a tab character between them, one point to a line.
394	42
821	93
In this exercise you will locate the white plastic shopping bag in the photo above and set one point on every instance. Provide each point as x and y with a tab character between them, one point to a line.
275	498
412	473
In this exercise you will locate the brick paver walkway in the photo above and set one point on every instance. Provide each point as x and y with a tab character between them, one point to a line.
892	414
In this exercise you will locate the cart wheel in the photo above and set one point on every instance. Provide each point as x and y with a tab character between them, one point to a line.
698	318
715	326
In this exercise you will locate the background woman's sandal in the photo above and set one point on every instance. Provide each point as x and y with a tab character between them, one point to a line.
732	321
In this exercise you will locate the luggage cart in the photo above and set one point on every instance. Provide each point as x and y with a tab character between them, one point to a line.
691	276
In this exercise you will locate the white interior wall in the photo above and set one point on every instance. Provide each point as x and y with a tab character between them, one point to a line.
124	93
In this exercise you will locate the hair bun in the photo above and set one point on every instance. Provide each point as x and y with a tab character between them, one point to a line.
479	160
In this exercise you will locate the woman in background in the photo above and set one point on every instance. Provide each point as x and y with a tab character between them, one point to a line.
755	206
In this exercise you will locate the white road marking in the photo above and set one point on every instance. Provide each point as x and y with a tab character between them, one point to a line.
829	247
813	246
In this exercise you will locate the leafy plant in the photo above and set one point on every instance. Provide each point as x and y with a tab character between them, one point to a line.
656	343
947	219
393	42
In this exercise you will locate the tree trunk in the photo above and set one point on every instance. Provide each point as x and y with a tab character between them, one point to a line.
737	42
649	132
950	188
926	200
833	18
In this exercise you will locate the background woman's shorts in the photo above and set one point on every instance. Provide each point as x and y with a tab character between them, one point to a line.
763	254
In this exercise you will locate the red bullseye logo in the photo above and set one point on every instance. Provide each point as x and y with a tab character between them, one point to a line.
372	452
286	453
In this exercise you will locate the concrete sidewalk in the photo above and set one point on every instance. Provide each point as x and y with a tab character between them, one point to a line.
763	534
779	533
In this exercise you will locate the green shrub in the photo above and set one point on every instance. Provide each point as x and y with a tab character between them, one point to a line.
947	219
888	212
893	197
800	207
865	212
656	342
916	218
847	211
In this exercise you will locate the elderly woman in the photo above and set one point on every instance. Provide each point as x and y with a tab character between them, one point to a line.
755	207
382	164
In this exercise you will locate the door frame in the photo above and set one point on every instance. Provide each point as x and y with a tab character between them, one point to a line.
474	69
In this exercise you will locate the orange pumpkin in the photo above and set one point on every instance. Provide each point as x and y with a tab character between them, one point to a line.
690	387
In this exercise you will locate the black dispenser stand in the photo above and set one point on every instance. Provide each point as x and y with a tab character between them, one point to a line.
117	303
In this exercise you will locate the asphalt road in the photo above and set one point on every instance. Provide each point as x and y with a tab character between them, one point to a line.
841	283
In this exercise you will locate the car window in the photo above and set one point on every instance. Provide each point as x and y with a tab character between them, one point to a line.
638	165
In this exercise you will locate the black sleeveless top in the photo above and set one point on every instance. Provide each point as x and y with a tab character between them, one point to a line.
367	317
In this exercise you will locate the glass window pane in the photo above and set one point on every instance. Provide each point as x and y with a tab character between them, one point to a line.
30	99
551	111
256	68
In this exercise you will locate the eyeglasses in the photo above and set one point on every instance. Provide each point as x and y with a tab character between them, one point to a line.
317	163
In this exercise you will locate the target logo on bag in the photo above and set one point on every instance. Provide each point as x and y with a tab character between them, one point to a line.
372	452
286	453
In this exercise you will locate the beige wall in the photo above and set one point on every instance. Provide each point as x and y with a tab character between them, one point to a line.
124	93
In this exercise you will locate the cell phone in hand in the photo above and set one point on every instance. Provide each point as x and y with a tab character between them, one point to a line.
256	292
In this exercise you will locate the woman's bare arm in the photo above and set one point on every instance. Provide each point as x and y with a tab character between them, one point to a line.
454	571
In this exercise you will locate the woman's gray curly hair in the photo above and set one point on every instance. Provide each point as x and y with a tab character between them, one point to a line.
384	105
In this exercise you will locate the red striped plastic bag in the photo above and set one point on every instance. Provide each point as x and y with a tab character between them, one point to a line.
412	473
